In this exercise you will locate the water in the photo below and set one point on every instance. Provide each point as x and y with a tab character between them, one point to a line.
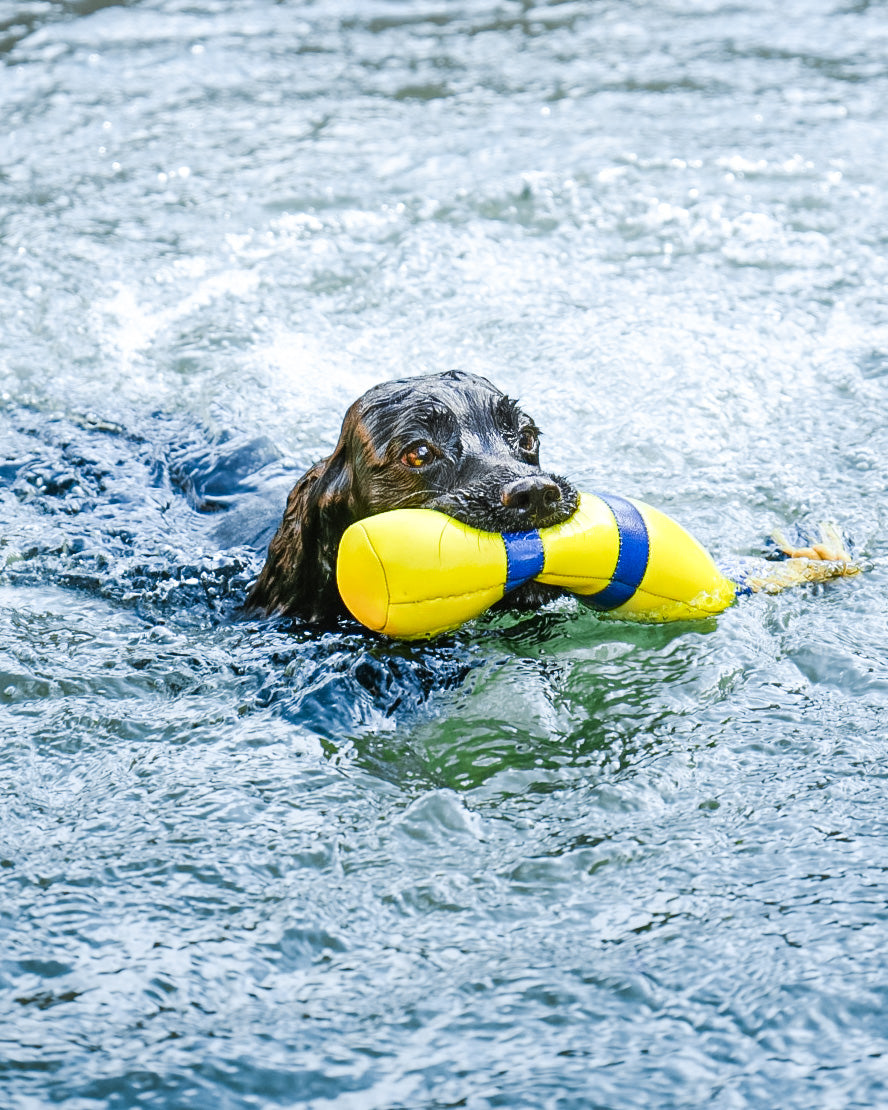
550	861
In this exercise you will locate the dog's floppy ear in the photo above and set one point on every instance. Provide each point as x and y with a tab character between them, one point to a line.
299	576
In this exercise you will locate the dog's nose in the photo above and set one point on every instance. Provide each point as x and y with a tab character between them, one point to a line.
533	495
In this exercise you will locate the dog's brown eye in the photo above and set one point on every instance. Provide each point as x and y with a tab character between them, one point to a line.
420	455
528	441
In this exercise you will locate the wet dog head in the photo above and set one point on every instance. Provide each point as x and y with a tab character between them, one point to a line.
450	441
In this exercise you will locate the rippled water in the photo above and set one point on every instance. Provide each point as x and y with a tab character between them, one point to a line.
547	862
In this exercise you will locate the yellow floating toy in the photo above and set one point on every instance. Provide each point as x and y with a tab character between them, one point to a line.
413	573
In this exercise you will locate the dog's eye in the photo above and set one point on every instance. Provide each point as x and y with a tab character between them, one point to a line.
421	454
528	440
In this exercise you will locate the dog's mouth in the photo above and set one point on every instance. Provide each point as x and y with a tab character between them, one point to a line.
515	507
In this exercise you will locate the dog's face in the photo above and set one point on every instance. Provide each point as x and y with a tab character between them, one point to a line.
455	443
451	442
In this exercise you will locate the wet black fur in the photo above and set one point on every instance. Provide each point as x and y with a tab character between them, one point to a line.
483	469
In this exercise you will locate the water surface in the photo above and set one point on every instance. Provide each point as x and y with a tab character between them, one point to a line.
549	861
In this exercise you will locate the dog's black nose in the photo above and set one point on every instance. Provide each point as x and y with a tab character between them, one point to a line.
534	495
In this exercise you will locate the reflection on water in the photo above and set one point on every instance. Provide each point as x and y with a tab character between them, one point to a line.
546	861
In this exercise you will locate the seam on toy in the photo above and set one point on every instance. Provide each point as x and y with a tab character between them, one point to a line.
678	601
388	591
442	597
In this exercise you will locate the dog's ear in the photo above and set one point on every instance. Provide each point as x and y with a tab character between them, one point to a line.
299	576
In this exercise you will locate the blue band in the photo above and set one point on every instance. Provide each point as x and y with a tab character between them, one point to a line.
632	560
524	557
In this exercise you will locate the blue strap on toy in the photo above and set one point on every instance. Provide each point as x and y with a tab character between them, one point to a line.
632	561
525	558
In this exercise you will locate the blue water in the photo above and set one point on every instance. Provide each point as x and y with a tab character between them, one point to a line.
550	861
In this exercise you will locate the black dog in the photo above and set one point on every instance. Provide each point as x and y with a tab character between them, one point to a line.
451	442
